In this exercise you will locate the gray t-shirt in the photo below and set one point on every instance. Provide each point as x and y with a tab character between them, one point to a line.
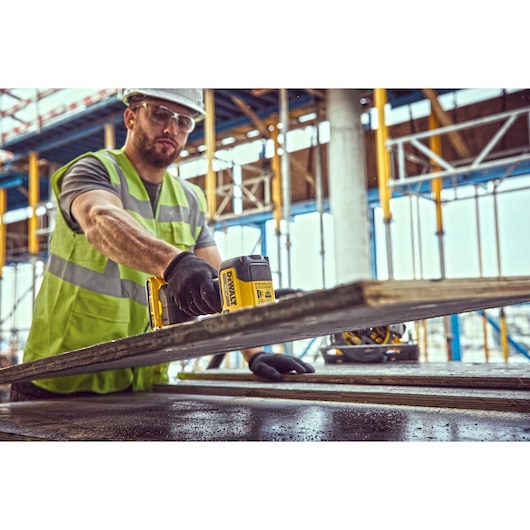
89	174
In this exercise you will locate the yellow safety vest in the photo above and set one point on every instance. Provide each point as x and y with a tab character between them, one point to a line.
86	298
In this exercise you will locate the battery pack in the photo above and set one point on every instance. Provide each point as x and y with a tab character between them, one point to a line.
245	281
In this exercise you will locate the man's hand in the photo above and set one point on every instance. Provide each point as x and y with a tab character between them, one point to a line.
191	284
273	365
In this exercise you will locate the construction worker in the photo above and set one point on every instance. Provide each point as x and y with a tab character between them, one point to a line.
121	219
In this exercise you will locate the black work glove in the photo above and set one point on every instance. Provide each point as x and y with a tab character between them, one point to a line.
191	284
273	365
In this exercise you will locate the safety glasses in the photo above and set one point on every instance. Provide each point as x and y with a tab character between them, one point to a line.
162	116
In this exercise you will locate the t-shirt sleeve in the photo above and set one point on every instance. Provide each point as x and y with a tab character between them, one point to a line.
84	175
205	238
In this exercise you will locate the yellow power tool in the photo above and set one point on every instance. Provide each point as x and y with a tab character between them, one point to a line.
245	281
377	335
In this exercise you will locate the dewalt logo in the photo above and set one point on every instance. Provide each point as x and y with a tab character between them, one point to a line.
230	289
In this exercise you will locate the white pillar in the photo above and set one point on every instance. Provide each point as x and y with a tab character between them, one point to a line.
347	186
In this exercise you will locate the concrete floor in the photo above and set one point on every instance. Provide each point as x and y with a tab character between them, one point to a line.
170	417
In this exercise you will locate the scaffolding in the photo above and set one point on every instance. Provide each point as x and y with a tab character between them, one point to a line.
28	111
249	194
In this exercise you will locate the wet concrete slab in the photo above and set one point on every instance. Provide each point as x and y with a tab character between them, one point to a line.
169	417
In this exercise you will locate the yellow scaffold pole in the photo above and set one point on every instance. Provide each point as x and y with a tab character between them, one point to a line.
504	335
276	181
209	137
33	198
383	171
277	198
109	136
436	187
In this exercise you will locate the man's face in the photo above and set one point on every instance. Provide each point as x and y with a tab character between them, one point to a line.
157	139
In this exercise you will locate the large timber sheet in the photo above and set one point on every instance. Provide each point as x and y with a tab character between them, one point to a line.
299	316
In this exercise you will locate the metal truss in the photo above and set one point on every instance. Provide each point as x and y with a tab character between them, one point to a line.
414	148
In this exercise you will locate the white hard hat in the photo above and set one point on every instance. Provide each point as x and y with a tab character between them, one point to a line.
192	98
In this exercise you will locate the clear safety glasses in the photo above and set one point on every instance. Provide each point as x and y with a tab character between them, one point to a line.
162	116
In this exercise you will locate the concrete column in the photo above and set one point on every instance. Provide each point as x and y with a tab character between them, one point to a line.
347	186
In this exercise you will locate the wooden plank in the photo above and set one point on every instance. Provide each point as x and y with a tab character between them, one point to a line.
298	316
497	376
469	398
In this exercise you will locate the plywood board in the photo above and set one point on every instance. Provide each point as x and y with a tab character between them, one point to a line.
455	374
299	316
471	386
411	396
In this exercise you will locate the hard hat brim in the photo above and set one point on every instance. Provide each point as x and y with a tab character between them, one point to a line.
166	95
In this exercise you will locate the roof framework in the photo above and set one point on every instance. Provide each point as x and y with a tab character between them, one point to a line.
55	127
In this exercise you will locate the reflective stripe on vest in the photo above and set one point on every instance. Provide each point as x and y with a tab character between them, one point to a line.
102	283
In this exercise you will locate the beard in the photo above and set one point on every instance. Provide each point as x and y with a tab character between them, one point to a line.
157	155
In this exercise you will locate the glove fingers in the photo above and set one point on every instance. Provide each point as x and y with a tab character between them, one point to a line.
190	281
286	363
185	302
268	372
211	296
199	304
304	368
203	300
271	366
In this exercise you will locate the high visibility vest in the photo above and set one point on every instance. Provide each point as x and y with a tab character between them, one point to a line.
86	298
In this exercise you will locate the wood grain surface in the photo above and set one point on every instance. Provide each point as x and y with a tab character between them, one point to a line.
299	316
473	386
412	396
495	376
